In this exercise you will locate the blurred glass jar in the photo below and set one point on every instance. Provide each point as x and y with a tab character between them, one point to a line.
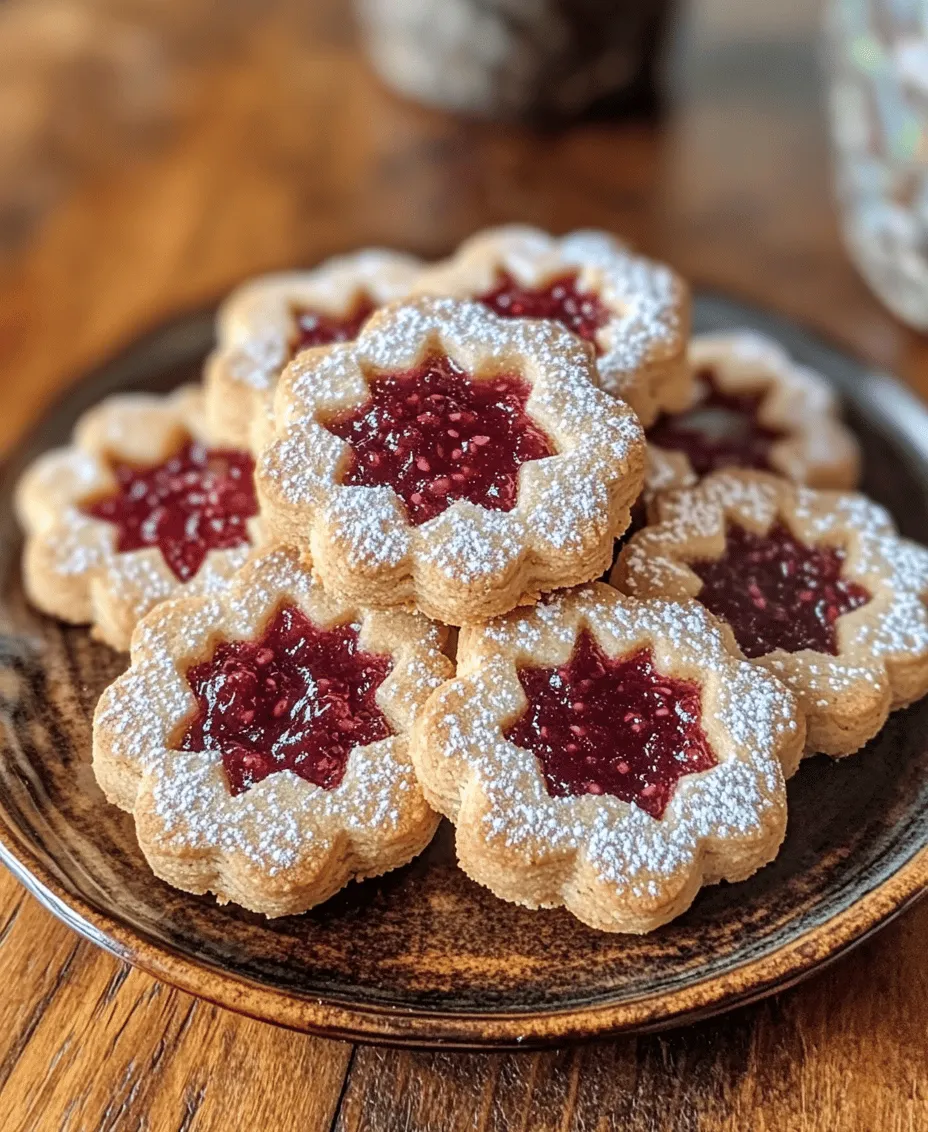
516	59
878	54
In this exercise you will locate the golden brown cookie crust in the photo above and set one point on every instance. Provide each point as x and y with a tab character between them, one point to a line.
468	563
882	660
609	862
643	346
71	568
284	845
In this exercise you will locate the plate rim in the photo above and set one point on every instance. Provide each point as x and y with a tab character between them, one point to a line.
386	1024
472	1030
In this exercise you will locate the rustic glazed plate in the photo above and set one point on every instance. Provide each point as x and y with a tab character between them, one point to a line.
424	956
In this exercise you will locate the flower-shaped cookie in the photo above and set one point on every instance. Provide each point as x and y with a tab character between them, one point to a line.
752	407
141	506
816	585
609	755
633	311
451	460
260	738
268	320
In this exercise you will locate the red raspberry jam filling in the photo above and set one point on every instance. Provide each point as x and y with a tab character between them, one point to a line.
197	501
720	431
778	593
436	435
299	699
603	725
580	311
316	328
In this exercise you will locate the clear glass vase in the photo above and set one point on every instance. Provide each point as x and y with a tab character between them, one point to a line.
878	62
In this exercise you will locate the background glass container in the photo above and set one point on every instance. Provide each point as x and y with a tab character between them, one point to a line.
878	59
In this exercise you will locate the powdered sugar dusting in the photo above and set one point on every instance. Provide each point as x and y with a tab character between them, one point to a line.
282	821
469	543
576	516
370	524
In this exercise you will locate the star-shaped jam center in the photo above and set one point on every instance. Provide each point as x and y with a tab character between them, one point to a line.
319	328
721	430
582	312
198	500
777	592
612	725
436	435
300	698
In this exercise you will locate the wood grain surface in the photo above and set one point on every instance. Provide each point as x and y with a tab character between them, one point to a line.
153	154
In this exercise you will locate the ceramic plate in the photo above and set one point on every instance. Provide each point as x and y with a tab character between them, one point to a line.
424	956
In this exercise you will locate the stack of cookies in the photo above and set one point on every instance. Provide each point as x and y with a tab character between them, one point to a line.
356	571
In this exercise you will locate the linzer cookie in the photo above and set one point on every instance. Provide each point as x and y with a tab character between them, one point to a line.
140	507
450	460
634	312
816	585
752	407
610	755
267	321
260	739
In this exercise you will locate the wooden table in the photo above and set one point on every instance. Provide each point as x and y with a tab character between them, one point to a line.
150	156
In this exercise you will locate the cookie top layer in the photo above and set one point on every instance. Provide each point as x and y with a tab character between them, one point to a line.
480	753
141	506
532	381
339	792
751	406
817	585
